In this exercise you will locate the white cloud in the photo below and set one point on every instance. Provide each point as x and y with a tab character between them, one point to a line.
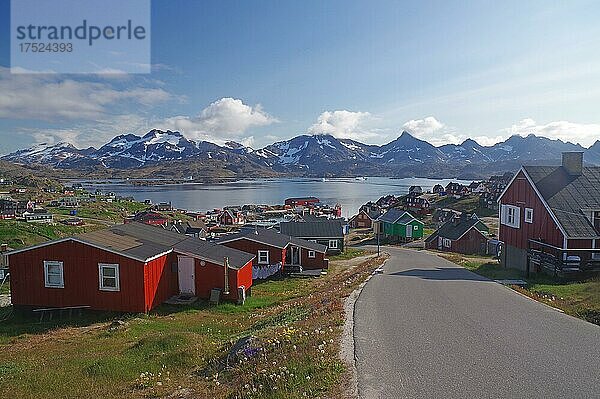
344	124
432	131
90	134
223	120
55	98
584	134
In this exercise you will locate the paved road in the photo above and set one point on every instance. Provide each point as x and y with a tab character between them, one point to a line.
427	328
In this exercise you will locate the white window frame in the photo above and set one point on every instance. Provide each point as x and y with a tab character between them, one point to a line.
312	254
265	254
47	283
101	286
335	244
528	215
415	227
511	216
447	243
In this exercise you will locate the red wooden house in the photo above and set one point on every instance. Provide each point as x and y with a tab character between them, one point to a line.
416	204
364	219
275	251
126	268
550	217
463	234
230	218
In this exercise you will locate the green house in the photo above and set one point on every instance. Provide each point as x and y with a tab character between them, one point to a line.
399	224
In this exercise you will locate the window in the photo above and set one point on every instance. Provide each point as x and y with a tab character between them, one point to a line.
109	276
510	216
333	244
263	257
415	227
528	215
312	254
447	243
53	274
596	220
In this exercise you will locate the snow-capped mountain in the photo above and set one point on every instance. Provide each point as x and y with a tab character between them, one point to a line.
307	155
592	154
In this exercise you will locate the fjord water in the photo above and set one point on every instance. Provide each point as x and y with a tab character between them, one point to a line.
351	193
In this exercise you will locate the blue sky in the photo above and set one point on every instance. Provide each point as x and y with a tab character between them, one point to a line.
262	71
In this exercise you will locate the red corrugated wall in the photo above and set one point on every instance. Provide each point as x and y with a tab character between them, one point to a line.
80	265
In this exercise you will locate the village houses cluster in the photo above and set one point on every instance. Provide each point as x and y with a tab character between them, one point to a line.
549	219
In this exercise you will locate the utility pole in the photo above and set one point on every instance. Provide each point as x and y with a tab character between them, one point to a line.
378	247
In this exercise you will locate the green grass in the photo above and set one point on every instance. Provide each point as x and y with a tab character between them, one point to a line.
109	211
18	234
4	288
349	253
151	355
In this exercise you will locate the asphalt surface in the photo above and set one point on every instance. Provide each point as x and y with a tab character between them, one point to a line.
427	328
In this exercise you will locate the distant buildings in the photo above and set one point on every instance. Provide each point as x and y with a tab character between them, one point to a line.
148	217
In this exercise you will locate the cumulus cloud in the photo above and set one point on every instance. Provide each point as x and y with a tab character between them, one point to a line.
344	124
223	120
55	98
432	131
584	134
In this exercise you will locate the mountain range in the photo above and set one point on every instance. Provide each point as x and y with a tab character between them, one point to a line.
168	153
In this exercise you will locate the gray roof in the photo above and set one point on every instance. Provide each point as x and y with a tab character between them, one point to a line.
273	238
568	195
142	242
454	230
213	252
322	229
395	215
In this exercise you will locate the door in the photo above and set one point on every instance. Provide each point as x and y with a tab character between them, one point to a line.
294	255
409	230
186	275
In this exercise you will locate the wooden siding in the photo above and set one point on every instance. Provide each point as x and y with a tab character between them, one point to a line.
318	262
212	276
81	280
276	255
160	281
473	242
521	194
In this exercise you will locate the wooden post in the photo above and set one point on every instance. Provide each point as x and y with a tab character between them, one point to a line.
226	277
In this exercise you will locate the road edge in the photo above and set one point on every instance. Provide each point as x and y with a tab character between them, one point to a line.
347	347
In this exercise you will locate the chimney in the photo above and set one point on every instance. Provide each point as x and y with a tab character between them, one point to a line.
572	162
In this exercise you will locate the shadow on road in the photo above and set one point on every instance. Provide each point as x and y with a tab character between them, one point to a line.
441	274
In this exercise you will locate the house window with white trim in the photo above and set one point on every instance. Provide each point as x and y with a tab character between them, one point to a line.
263	257
54	274
109	276
333	244
447	243
510	216
312	254
528	215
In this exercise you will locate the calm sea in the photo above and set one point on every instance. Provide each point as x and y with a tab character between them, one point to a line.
349	192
